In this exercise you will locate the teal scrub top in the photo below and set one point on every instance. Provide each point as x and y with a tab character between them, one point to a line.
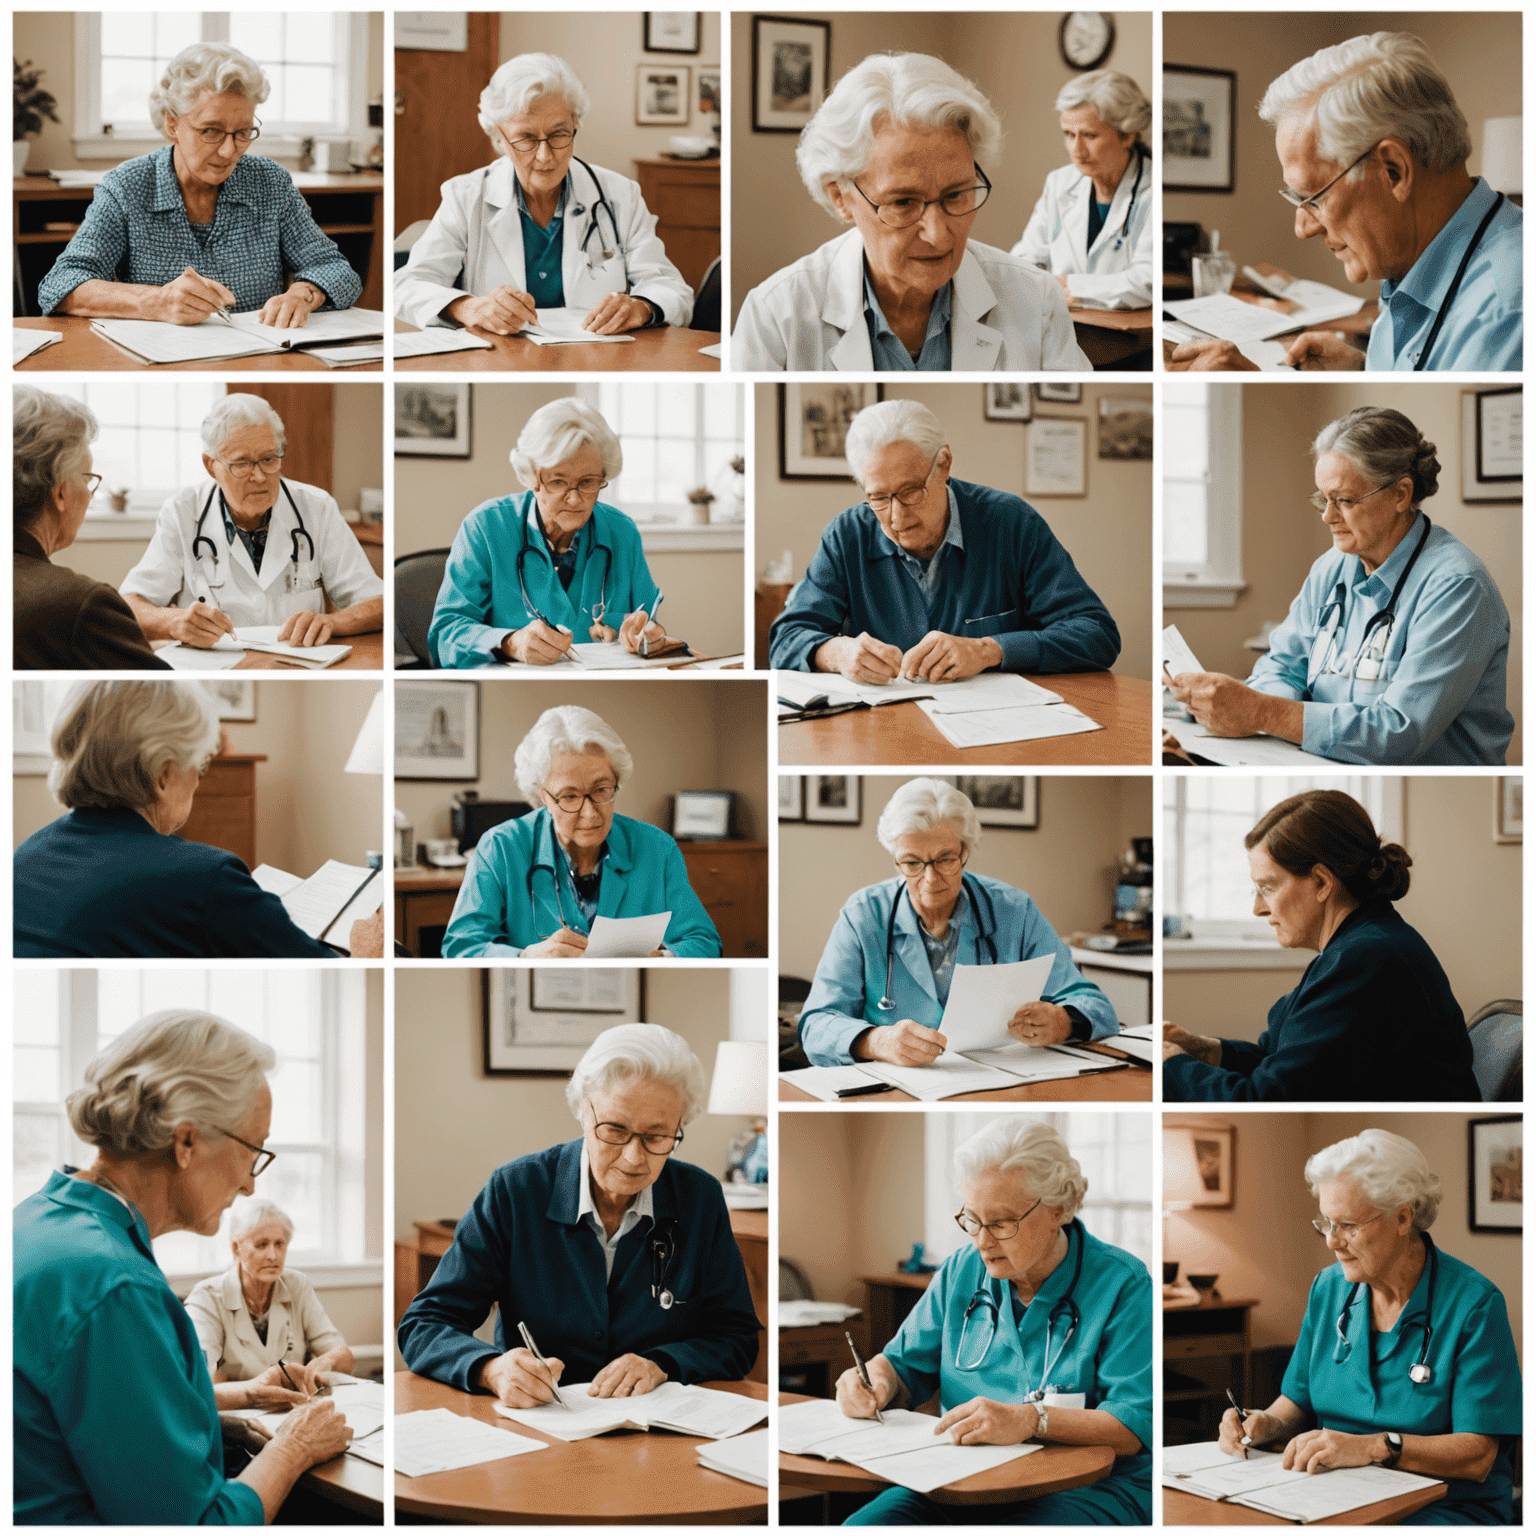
1475	1388
115	1422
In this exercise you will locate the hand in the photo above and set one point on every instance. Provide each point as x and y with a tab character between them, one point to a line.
188	299
616	312
604	634
367	937
305	1377
1179	1042
536	643
1041	1024
636	628
270	1390
860	658
1209	357
856	1400
519	1380
247	1434
1259	1427
200	625
316	1431
941	658
628	1376
288	311
307	628
983	1422
1323	349
1224	706
903	1044
1318	1449
564	944
502	311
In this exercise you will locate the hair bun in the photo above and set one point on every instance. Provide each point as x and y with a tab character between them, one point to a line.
1387	872
1426	468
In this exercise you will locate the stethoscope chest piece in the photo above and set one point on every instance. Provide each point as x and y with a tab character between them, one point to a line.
1420	1373
666	1300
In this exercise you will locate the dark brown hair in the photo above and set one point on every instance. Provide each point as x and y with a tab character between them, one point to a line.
1328	827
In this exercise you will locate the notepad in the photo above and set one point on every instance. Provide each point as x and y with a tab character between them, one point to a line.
439	1440
626	938
745	1457
327	904
25	344
158	341
684	1410
560	326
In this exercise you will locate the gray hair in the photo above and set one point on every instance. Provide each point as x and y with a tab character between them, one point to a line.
566	728
921	804
231	413
1390	1170
174	1067
522	80
1030	1148
903	88
112	739
1376	86
1384	446
892	421
50	441
634	1052
556	431
205	69
1115	97
248	1214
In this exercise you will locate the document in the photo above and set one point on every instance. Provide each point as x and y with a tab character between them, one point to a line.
318	905
993	727
1177	655
261	638
439	1440
987	690
191	658
1042	1063
824	1083
684	1410
353	356
983	998
951	1074
560	326
985	1070
158	341
813	1314
716	350
626	938
25	344
745	1457
1243	751
1230	319
435	340
1138	1042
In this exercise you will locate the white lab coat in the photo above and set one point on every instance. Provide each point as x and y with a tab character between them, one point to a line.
809	317
167	575
1117	272
298	1328
474	244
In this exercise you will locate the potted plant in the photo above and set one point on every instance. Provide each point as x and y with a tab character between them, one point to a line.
117	497
29	106
701	496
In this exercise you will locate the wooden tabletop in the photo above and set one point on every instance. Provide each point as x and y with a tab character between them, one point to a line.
351	1482
1180	1508
666	349
367	656
45	188
902	733
82	349
628	1477
1114	319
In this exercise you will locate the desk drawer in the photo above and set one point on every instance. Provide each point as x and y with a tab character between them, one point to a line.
1199	1346
807	1353
718	880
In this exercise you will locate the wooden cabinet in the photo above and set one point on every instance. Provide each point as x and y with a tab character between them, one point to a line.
685	197
731	879
750	1229
1206	1350
224	810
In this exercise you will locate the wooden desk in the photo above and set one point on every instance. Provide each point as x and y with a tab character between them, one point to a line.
82	350
424	898
1219	1329
902	733
685	197
624	1478
350	1482
1109	336
224	809
1181	1508
750	1229
367	656
731	879
667	349
821	1351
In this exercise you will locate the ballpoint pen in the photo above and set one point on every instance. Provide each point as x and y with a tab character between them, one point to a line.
292	1384
533	1349
864	1375
645	644
1247	1439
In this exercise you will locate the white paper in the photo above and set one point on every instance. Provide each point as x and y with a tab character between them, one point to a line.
1306	1498
803	1425
435	340
192	658
583	1418
439	1440
263	638
987	690
353	356
940	1465
25	344
1177	655
1267	356
745	1457
717	350
626	938
278	881
982	999
559	326
322	325
362	906
368	1448
943	1079
159	341
1136	1049
314	904
994	727
824	1082
1040	1063
1243	751
1229	319
672	1406
813	1314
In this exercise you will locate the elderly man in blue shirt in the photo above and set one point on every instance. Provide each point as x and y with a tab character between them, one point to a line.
1374	150
936	578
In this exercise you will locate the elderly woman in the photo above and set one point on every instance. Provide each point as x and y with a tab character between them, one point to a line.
1373	1017
1405	1357
1092	227
111	877
1035	1331
588	579
884	977
196	228
1374	151
618	1257
895	150
1396	647
499	248
115	1420
535	886
263	1331
936	578
61	619
247	547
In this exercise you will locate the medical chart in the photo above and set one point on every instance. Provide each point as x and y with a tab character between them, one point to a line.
983	998
439	1440
994	727
558	326
159	341
319	904
626	938
1230	319
684	1410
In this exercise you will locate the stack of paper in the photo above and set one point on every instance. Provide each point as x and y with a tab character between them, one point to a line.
226	336
25	344
227	650
994	727
327	904
560	326
1138	1041
1229	319
684	1410
75	178
436	339
439	1440
745	1457
813	1314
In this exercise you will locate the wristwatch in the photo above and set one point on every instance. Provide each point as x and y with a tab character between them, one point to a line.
1394	1447
1042	1423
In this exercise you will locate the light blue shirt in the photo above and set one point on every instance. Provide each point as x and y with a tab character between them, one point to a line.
1440	696
891	355
1484	329
926	573
639	1208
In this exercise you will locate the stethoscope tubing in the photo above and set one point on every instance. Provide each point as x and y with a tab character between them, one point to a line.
592	223
886	1003
295	534
982	1296
528	547
1419	1372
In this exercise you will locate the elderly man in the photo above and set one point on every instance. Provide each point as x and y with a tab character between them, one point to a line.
247	547
1374	152
935	578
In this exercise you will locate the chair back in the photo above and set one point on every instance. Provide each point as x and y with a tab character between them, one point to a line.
417	579
706	303
1497	1031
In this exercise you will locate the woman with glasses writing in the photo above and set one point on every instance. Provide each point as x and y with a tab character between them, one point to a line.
885	975
535	885
614	1257
196	228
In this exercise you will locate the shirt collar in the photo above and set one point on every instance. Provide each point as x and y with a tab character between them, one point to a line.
907	920
618	847
83	1195
640	1207
1428	278
938	315
565	194
167	193
233	529
887	547
1392	567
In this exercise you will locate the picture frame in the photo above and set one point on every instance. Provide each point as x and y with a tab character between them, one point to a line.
437	731
791	71
703	814
1495	1192
1125	427
1198	128
1003	799
791	806
708	92
538	1020
437	31
1215	1154
813	426
834	799
1005	400
432	420
1509	808
1059	393
1491	433
672	31
234	698
1056	457
663	94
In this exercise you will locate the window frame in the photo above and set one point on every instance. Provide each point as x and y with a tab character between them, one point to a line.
1218	582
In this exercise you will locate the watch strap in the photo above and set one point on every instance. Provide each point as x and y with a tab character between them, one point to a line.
1042	1422
1394	1448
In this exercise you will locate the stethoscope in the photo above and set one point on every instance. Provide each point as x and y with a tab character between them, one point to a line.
604	251
554	874
299	531
1142	154
1419	1372
983	1297
663	1250
600	607
887	1003
1422	359
1371	654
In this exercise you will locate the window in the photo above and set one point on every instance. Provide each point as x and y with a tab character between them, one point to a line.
1202	495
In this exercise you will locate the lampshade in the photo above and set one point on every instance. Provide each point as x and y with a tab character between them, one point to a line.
740	1083
1182	1183
368	750
1501	153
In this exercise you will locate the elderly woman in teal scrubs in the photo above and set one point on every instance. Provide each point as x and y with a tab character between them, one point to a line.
1037	1331
115	1422
1405	1358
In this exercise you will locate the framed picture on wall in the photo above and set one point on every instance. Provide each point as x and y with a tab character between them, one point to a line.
813	427
673	31
1199	1165
1495	1193
663	93
1125	428
437	731
791	797
1005	401
791	71
1002	799
837	798
1060	394
235	698
432	421
1197	128
1508	809
1492	422
540	1019
709	92
1056	457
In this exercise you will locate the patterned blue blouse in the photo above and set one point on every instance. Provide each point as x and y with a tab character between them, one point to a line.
137	231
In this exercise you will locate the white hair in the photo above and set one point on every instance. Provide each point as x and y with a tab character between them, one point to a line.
566	728
248	1214
634	1052
112	739
892	421
1384	446
921	804
205	69
556	431
1390	1170
908	89
522	80
1380	85
1030	1148
232	412
174	1067
50	441
1115	97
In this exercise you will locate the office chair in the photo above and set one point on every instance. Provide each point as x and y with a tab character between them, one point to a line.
706	304
417	579
1498	1049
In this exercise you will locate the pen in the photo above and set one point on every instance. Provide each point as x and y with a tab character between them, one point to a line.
1247	1439
645	645
855	1093
293	1386
863	1374
533	1349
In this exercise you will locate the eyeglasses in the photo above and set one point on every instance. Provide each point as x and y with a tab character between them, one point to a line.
264	1159
1297	200
945	864
903	212
1264	892
241	468
1344	1229
570	800
585	488
213	137
657	1143
1345	503
92	484
1003	1231
908	495
559	141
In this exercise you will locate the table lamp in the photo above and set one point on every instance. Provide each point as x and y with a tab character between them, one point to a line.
1502	167
1182	1185
368	750
740	1087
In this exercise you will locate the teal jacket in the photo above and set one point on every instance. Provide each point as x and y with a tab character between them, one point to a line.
115	1421
509	898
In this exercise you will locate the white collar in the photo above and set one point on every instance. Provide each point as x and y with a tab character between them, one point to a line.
641	1205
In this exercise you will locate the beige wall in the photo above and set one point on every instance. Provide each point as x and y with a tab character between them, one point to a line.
1478	50
1108	533
1014	58
1067	865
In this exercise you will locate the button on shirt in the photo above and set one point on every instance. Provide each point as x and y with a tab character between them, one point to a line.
639	1207
542	251
891	355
